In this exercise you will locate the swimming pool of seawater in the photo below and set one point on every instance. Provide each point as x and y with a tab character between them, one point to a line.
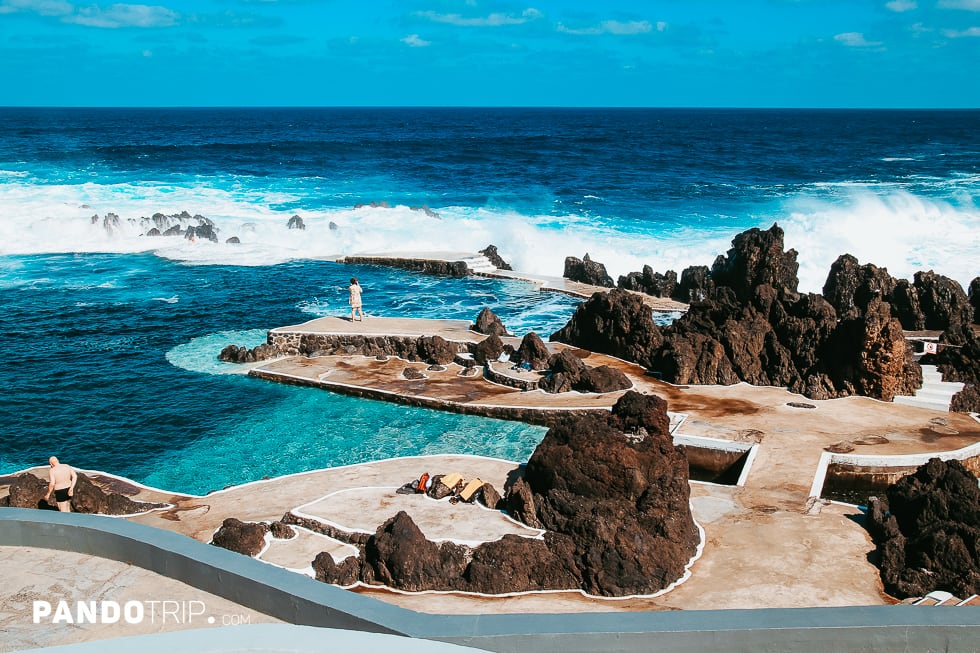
112	366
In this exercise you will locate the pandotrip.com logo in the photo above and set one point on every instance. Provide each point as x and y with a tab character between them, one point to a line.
161	612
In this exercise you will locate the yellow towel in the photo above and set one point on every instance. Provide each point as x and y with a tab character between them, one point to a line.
451	480
470	489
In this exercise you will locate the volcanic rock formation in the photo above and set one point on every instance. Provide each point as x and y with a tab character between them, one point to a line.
488	323
246	538
752	325
616	510
927	531
27	491
494	256
587	271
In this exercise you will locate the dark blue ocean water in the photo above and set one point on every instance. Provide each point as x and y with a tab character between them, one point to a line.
110	336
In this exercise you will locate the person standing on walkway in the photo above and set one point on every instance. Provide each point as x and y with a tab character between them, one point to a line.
355	299
62	479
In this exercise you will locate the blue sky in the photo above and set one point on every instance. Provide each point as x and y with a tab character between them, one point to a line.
743	53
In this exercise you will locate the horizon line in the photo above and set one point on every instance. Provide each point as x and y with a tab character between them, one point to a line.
500	106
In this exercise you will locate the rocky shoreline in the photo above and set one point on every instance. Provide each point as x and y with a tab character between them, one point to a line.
748	322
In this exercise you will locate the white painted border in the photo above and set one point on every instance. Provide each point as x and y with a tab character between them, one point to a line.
538	534
901	460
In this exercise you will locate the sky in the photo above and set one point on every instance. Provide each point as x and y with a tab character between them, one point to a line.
656	53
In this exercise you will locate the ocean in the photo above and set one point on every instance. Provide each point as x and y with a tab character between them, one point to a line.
110	337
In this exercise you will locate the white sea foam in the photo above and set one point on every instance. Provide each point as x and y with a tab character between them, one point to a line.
900	231
879	223
201	354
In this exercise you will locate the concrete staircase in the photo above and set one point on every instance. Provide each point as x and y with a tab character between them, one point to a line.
935	394
478	263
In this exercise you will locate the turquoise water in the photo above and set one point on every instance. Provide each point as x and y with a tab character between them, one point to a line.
109	337
112	365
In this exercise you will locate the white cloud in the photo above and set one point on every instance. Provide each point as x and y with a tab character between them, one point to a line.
961	33
493	20
112	16
855	40
614	27
902	5
413	41
42	7
122	15
969	5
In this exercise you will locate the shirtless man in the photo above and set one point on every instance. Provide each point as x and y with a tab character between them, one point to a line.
62	483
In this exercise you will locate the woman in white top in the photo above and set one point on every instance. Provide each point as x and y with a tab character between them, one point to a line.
355	299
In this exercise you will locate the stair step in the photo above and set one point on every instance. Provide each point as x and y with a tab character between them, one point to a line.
479	263
922	403
936	393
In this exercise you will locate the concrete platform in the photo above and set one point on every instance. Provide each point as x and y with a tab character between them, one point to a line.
764	547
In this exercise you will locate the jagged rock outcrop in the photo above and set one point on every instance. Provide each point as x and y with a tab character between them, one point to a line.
616	509
927	532
757	259
617	323
494	256
27	491
569	372
932	301
944	304
850	286
437	350
281	531
519	503
487	322
586	270
959	360
206	231
592	484
426	210
296	222
427	266
400	556
695	284
533	351
345	573
237	354
750	324
488	496
246	538
488	349
413	374
966	400
974	295
650	282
